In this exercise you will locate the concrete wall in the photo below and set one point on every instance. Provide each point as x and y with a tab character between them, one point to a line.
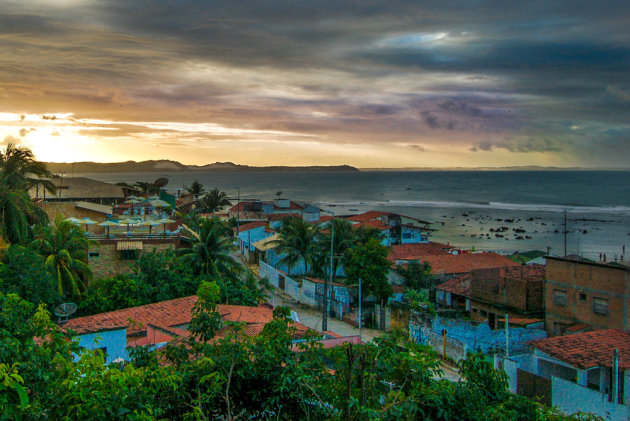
415	235
571	398
479	336
114	342
583	282
251	236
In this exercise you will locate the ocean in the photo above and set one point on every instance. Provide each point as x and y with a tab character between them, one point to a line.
465	207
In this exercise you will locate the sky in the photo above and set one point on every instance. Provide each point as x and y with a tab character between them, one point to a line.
462	83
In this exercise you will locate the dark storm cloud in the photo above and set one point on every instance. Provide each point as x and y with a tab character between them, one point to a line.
524	145
373	71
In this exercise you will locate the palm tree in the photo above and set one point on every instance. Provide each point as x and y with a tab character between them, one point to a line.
210	256
297	241
213	201
146	188
196	188
20	171
64	246
343	240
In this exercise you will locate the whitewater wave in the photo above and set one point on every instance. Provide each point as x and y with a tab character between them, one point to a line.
610	210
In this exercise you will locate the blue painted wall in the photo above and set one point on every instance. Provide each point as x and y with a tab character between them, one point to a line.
115	342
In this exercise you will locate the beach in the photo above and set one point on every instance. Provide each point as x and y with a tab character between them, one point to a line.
504	211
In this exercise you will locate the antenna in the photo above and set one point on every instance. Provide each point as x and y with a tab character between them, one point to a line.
65	310
565	233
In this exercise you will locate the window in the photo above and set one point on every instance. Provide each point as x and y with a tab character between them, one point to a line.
484	313
128	254
600	306
93	254
406	235
582	297
559	297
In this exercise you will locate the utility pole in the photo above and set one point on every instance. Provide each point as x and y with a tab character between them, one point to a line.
565	233
507	336
615	376
360	313
326	287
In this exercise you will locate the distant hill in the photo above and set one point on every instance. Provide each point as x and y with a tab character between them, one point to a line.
170	166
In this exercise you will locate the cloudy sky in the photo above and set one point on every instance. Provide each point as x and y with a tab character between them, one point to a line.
367	83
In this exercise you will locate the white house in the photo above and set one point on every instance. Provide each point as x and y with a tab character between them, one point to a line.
587	372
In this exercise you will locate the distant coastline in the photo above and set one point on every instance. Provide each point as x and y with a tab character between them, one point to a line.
174	166
165	165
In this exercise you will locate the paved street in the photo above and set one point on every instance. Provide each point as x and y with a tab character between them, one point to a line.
313	318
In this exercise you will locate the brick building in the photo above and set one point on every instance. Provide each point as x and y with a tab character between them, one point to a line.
586	295
515	290
109	257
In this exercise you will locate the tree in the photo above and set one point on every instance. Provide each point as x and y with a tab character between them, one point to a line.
19	170
161	275
64	246
196	189
368	262
213	201
210	255
342	242
23	272
110	294
416	275
146	187
297	242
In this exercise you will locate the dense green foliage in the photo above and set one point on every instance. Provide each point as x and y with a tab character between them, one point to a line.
23	272
297	242
236	376
212	201
64	248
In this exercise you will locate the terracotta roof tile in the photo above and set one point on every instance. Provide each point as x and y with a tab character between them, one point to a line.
366	216
249	226
374	223
416	251
588	349
282	216
463	263
459	285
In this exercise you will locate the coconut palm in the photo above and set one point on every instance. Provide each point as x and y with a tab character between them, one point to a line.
343	240
64	246
210	255
213	201
196	189
297	243
20	171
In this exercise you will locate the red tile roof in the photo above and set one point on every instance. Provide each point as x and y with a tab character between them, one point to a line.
168	313
374	223
282	216
416	251
322	219
588	349
463	263
249	226
521	321
366	216
321	281
459	285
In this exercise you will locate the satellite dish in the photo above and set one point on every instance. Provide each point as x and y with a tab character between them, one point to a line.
65	310
278	193
161	182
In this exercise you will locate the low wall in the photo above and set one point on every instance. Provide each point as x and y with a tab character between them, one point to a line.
455	350
571	398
